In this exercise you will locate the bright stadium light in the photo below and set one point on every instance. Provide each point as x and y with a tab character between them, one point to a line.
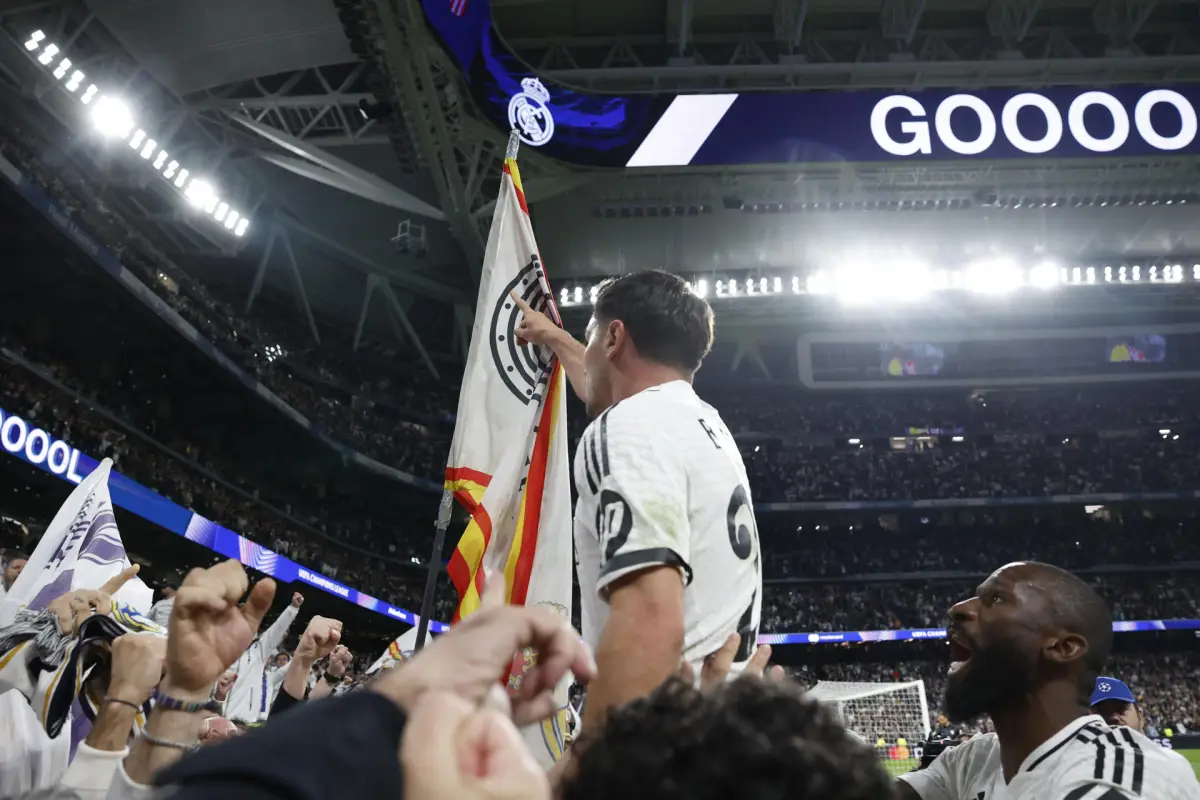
75	81
210	205
136	140
171	169
701	288
994	277
48	54
35	41
112	117
242	225
181	178
199	192
149	149
1044	275
160	159
62	68
222	210
88	94
231	220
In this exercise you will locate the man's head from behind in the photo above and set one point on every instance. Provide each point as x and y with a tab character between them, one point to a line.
749	739
1030	627
13	564
645	325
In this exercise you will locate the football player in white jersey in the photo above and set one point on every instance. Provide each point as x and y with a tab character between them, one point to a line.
667	549
1026	651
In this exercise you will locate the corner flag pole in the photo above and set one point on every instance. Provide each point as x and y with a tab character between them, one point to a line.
446	507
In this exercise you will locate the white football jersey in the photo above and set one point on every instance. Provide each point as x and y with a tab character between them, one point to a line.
661	481
1086	760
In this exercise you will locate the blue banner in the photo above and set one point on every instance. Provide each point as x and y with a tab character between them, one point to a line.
37	447
923	634
669	130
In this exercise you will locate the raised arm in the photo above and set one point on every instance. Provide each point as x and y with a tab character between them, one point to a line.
273	638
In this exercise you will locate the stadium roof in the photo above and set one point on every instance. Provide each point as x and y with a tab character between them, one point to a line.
268	93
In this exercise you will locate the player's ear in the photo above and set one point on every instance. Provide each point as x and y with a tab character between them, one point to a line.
616	338
1065	648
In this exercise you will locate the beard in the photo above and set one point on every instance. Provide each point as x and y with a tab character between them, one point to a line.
997	677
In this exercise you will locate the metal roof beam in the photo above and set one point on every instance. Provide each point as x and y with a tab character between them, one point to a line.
261	272
336	172
790	16
1012	19
900	18
679	24
402	317
298	285
279	101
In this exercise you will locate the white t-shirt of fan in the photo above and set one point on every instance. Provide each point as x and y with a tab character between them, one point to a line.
1086	760
661	482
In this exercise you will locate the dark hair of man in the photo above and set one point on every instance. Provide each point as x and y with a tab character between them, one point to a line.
1081	610
668	324
750	740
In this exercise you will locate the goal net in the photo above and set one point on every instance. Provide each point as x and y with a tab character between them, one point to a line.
891	717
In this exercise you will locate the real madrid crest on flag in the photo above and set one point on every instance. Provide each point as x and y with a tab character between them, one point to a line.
522	367
529	113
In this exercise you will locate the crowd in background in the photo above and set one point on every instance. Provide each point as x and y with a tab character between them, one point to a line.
860	606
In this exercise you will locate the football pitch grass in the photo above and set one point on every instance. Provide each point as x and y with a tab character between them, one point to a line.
1193	757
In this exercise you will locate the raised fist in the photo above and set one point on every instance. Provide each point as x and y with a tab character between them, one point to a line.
339	660
319	638
208	629
297	599
137	666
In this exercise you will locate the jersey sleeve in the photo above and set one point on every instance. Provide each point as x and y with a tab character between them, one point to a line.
640	486
944	779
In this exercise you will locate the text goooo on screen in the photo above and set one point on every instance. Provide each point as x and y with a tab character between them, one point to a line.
39	448
1033	123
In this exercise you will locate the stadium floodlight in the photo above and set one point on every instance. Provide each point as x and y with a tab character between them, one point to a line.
232	219
62	68
1044	275
160	159
48	54
169	172
578	296
136	140
994	277
210	205
701	288
242	226
35	41
149	149
199	192
88	94
222	210
181	178
112	117
75	81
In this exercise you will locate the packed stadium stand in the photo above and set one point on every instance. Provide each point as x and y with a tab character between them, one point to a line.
1028	392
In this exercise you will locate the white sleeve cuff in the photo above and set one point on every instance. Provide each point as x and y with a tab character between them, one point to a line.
92	771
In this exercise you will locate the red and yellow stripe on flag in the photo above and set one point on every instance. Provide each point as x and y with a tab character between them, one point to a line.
466	565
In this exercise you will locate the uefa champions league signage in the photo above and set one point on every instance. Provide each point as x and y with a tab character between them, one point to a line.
1051	130
39	448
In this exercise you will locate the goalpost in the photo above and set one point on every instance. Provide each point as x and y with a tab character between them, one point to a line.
891	717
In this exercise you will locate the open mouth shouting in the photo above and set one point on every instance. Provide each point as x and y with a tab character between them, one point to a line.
960	652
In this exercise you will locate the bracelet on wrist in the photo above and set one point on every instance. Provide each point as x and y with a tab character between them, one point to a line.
332	680
121	702
175	704
187	747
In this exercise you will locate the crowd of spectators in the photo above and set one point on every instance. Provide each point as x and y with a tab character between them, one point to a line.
900	605
1075	542
347	547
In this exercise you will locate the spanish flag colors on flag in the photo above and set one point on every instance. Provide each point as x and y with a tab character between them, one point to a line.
508	464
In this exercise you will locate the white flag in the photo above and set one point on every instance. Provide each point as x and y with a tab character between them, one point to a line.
508	464
81	549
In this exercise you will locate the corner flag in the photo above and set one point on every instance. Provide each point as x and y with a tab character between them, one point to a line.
508	465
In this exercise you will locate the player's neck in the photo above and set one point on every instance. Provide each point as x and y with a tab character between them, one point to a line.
1026	727
645	376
